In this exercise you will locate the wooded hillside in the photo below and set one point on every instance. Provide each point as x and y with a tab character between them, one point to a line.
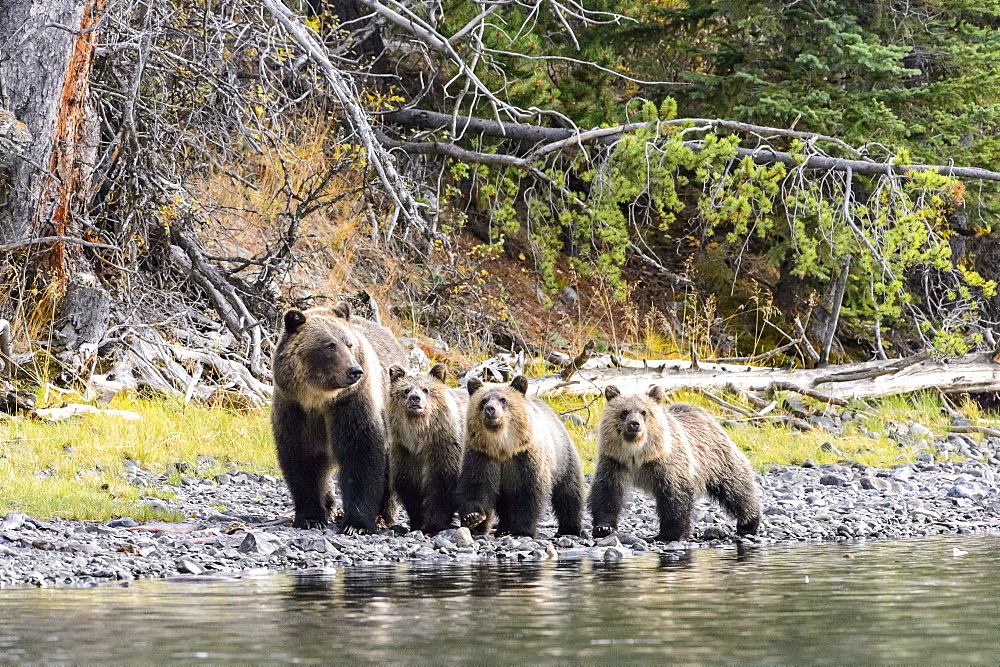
667	179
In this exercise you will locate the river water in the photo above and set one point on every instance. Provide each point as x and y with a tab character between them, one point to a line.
900	601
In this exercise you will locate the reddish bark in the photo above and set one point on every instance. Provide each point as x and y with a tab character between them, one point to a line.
70	169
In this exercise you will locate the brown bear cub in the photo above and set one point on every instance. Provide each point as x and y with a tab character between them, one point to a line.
518	455
677	454
426	422
330	387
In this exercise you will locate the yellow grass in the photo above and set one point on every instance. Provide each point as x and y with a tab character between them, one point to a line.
73	468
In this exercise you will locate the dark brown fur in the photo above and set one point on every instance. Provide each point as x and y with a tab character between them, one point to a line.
518	455
426	421
677	454
330	386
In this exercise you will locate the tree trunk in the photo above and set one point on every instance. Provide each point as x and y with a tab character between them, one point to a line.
45	77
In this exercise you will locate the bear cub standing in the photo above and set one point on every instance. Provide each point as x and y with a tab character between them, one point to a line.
330	385
426	421
677	454
518	455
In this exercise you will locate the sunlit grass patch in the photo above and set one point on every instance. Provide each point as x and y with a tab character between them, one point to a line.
73	468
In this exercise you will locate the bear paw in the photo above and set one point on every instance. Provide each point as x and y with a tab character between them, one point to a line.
309	524
473	519
603	531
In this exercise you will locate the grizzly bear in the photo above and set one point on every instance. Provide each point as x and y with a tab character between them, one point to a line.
517	455
426	421
677	454
330	386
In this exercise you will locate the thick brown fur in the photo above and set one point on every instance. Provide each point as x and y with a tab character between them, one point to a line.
678	454
331	382
426	421
518	457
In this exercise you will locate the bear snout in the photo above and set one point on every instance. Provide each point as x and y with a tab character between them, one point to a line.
354	373
415	402
634	426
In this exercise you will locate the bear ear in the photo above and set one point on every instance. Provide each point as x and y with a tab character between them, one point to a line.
611	392
440	371
473	385
656	393
396	372
293	320
342	310
520	383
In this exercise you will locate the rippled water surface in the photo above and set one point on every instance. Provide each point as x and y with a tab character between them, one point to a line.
903	601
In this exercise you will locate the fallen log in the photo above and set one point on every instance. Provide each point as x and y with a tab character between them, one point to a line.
972	373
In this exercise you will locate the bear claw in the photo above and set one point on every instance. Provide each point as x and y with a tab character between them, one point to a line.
309	524
603	531
473	519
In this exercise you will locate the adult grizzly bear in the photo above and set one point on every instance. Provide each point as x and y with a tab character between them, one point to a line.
426	421
517	455
676	454
330	386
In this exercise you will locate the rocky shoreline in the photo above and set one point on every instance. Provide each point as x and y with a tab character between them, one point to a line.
239	521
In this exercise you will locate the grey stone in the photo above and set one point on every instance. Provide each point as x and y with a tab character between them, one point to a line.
189	566
613	554
714	533
444	543
917	430
832	480
610	541
461	537
259	543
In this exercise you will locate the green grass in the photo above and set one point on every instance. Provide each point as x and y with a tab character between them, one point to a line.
73	468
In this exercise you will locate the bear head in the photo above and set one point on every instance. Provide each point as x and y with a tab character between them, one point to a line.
633	416
417	395
328	353
495	405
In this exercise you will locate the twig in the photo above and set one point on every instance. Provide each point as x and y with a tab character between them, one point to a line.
579	361
726	404
780	385
992	432
757	357
55	239
805	340
838	300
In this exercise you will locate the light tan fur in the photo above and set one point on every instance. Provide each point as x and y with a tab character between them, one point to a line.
414	432
685	437
527	427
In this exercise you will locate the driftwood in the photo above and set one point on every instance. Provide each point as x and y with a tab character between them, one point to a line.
972	373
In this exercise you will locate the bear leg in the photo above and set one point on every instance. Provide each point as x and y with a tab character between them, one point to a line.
522	485
305	463
440	482
607	495
737	494
359	445
674	501
567	503
406	482
478	486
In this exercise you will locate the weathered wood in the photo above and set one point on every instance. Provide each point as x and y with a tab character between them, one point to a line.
969	374
46	73
83	312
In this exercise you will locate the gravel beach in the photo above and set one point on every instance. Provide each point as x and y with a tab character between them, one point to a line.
238	521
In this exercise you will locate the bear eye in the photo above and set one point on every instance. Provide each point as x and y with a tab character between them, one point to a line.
426	390
482	403
503	401
331	345
624	414
643	413
348	345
